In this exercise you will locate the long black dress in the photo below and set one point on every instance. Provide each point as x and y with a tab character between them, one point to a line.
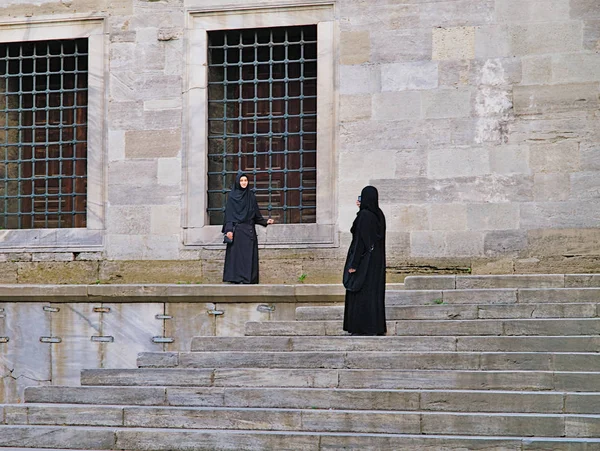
241	256
364	312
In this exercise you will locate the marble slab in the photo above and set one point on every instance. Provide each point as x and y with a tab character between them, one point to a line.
24	360
75	324
132	326
188	321
231	323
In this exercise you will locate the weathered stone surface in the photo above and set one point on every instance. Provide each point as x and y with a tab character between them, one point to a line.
576	214
56	437
555	295
152	143
362	79
490	216
450	327
577	68
158	359
562	242
430	283
503	242
96	395
552	327
57	272
355	107
512	11
457	43
480	296
585	185
277	377
261	360
147	377
151	271
535	281
538	311
444	243
509	160
491	401
582	280
395	442
407	218
555	98
395	105
400	45
582	403
355	47
554	187
528	344
405	76
74	415
413	297
447	103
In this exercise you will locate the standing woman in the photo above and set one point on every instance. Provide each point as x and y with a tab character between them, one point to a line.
241	213
364	272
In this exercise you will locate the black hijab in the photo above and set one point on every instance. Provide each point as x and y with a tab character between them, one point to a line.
240	202
369	201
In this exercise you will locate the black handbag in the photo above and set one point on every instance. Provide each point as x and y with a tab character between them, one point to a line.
354	281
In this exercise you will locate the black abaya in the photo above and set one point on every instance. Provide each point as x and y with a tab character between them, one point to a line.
241	256
364	312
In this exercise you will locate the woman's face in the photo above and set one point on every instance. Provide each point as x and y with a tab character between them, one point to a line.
244	182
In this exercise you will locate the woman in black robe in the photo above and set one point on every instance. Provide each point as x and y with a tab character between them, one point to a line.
241	214
364	312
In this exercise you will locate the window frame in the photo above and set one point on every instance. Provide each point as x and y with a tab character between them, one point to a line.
196	228
70	239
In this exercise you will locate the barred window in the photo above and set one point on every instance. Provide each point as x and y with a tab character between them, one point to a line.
262	100
43	134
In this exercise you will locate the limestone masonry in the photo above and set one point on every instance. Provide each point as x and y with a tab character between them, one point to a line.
477	120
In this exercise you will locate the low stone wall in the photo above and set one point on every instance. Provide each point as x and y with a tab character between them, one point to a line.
48	334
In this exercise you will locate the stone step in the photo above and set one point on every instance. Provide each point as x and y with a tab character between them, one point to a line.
347	378
558	327
579	343
308	420
142	439
315	398
502	281
486	361
493	296
465	311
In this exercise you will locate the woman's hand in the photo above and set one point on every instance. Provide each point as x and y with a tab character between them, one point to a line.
351	270
270	221
230	235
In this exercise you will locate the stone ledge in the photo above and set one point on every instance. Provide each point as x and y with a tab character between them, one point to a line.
451	282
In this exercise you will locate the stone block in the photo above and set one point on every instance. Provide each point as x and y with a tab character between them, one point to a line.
407	218
163	104
230	359
515	361
276	377
158	359
552	327
128	115
492	402
591	35
400	45
582	403
558	295
585	185
8	272
188	320
52	257
96	395
165	220
555	98
447	103
196	396
14	415
457	162
364	79
528	39
396	105
431	312
57	437
355	107
584	9
133	172
129	220
513	11
456	43
537	70
575	362
509	160
495	425
410	163
437	380
590	157
76	272
575	382
479	296
451	217
450	327
502	242
75	415
411	360
527	344
153	440
316	420
409	76
116	145
446	244
489	216
355	47
582	427
535	281
563	242
490	265
147	377
456	13
424	442
557	263
553	187
142	195
88	256
582	280
430	283
576	214
153	143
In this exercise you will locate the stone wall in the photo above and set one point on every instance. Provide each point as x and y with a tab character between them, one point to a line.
476	119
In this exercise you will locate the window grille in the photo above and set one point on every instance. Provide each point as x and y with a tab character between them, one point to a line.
43	134
262	96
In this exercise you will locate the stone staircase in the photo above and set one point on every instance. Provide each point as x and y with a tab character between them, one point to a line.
504	363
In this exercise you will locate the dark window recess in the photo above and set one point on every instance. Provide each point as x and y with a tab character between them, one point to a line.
43	134
262	119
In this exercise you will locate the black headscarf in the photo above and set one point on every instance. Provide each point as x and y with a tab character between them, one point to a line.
240	202
369	201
